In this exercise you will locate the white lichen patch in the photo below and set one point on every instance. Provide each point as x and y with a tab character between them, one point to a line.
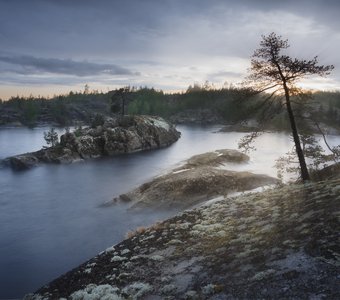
244	254
250	219
125	251
150	237
110	249
137	289
174	242
137	257
209	289
196	233
118	258
266	228
124	275
275	250
90	265
110	277
166	279
336	190
191	295
262	275
173	226
243	238
128	265
184	225
288	242
94	292
220	234
212	230
157	123
168	289
241	227
157	258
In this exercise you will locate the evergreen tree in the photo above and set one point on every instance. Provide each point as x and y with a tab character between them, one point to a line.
51	137
273	71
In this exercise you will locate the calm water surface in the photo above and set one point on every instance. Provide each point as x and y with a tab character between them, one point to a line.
51	218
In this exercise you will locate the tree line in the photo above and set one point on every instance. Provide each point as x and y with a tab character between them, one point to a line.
227	102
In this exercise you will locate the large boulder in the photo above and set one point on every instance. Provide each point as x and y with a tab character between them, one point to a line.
88	147
23	162
192	186
201	178
139	133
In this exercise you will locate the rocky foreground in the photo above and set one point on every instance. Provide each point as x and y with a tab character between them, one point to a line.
121	135
280	243
200	178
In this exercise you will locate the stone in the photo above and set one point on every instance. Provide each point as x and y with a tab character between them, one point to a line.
198	180
121	135
23	162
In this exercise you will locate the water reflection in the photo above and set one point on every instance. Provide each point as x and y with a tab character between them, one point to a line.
51	218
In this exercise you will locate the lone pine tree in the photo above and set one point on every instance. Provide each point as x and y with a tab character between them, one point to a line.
51	137
276	73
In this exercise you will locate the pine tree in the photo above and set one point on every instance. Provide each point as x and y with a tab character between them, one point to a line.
51	137
274	72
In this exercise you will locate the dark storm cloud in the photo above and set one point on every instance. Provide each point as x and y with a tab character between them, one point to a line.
32	65
92	28
81	28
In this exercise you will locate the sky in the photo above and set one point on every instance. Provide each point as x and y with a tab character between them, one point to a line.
51	47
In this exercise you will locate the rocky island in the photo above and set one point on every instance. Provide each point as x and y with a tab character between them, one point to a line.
114	136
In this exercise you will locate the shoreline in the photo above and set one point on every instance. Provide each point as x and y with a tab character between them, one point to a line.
222	249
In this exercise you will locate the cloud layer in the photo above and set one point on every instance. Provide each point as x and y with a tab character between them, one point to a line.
167	44
32	65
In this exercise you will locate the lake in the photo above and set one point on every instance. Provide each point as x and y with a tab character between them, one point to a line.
52	217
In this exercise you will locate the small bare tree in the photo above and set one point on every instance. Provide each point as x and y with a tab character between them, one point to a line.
276	74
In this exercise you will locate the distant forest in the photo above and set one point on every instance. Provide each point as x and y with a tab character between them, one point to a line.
199	103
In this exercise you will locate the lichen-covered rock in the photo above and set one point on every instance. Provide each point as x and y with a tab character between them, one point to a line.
190	187
277	244
217	157
121	135
198	180
88	147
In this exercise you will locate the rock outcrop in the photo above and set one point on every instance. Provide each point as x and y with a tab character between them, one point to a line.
278	244
198	180
121	135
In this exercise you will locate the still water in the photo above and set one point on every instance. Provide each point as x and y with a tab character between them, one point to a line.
52	218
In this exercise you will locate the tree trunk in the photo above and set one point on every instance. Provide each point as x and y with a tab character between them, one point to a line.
123	105
299	152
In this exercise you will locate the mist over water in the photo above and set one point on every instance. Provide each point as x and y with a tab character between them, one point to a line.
52	218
